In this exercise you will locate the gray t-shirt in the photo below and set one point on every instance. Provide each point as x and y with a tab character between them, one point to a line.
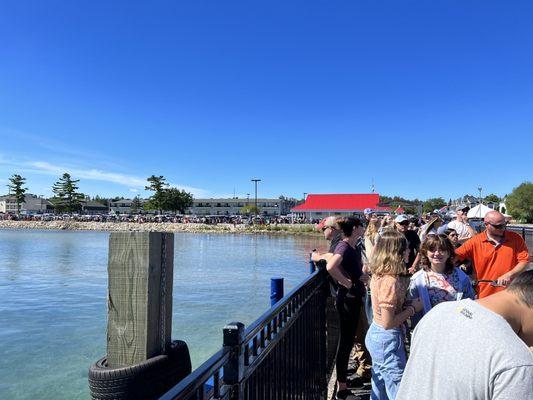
461	350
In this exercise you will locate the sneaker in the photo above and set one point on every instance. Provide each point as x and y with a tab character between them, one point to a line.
346	395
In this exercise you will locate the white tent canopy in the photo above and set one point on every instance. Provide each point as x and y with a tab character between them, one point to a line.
478	211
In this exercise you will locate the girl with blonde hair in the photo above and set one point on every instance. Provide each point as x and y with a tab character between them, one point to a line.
385	337
371	235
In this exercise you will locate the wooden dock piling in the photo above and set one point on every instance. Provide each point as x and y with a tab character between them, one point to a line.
140	296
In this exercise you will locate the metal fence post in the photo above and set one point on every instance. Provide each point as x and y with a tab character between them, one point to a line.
276	290
234	368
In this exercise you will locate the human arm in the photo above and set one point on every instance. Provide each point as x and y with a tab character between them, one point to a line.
506	278
390	320
335	270
413	268
465	251
470	230
522	256
317	256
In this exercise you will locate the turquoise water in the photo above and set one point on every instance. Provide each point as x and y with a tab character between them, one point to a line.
53	287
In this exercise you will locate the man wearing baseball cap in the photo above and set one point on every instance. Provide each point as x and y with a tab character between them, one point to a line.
401	222
327	226
460	224
367	212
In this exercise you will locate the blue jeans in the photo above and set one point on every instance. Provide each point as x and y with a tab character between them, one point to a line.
387	350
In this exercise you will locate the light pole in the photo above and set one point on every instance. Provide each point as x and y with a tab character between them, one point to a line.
255	180
305	194
480	189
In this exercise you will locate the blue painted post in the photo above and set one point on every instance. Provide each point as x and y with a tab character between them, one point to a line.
276	290
312	266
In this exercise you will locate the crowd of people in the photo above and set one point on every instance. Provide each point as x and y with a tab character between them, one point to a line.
459	302
152	218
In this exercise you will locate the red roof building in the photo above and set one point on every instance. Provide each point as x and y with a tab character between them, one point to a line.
326	204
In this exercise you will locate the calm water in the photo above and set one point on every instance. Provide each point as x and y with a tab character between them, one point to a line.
53	308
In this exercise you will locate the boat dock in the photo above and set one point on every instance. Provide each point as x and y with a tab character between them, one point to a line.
287	353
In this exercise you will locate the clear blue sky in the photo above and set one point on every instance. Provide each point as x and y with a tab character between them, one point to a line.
427	98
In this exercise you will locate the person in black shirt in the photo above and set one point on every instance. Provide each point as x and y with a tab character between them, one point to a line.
401	223
345	267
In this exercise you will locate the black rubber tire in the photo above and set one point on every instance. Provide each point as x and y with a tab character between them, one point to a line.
146	380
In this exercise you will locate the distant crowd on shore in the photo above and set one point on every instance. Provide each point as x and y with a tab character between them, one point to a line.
465	296
150	218
416	223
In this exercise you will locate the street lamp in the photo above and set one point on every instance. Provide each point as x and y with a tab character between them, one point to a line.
255	180
480	189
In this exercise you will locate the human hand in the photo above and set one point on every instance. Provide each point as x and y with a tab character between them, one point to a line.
505	279
364	278
411	269
366	269
417	304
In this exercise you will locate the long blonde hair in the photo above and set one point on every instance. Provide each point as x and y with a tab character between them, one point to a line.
388	254
371	230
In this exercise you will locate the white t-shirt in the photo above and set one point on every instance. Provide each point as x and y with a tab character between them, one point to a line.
461	350
461	228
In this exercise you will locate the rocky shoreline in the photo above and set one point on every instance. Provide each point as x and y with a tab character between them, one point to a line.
300	229
297	229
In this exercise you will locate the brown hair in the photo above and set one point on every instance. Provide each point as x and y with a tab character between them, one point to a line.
522	287
388	254
432	243
347	224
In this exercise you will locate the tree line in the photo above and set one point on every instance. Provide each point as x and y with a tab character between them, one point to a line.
68	199
165	198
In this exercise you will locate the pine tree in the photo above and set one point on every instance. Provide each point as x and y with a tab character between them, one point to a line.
16	189
157	185
67	198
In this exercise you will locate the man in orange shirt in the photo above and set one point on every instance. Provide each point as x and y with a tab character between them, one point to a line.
498	255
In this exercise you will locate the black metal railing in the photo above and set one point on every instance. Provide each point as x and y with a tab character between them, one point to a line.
527	234
285	354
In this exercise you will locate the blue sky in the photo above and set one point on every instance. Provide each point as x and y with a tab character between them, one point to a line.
425	98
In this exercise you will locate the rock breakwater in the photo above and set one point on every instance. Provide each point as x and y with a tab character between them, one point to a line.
159	227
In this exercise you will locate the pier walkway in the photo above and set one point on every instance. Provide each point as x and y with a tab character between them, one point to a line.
288	353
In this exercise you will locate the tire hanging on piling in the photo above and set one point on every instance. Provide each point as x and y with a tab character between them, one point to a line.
146	380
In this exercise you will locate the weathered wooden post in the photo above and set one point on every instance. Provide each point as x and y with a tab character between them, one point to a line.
140	296
141	361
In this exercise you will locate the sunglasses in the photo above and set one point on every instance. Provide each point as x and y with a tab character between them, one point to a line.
500	226
327	227
404	223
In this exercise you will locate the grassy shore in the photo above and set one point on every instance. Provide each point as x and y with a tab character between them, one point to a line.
299	229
